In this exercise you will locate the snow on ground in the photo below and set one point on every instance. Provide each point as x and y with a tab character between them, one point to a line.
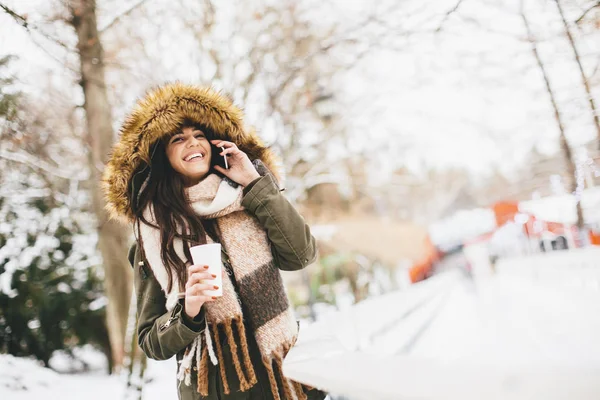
452	337
512	322
26	379
451	329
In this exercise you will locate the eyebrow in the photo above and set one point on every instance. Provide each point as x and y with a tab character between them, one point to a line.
181	133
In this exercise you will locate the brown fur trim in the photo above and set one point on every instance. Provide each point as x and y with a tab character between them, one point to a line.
244	385
203	373
245	353
217	340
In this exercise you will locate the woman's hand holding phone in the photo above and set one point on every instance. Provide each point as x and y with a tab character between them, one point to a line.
240	168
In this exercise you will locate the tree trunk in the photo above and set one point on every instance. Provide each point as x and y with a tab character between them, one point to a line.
564	144
112	238
584	78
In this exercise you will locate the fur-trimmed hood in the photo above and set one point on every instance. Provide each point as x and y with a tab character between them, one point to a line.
160	113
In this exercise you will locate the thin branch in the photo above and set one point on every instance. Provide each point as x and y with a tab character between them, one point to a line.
448	14
584	78
564	143
578	20
119	17
596	69
19	18
35	163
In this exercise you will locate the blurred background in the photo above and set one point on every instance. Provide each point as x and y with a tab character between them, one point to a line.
434	146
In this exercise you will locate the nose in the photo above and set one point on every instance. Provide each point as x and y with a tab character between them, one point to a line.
192	142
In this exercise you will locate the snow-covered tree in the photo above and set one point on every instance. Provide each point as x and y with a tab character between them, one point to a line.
51	294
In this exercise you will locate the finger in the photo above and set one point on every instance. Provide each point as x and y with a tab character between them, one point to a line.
192	294
204	299
230	150
197	268
221	170
217	142
199	289
194	277
199	277
225	143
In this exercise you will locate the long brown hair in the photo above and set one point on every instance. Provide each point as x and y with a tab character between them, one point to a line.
164	189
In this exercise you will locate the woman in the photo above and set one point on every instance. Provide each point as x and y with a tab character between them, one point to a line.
167	175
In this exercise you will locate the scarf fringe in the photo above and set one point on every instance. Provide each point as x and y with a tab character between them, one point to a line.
185	365
244	384
291	390
300	391
282	388
209	344
215	330
203	374
245	353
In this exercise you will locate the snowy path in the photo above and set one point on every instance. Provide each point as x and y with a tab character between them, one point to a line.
446	338
496	338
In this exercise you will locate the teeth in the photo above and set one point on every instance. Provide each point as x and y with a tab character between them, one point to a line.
192	156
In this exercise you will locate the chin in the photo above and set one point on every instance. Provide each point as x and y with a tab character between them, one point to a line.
196	176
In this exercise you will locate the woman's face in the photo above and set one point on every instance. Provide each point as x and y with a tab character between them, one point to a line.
189	154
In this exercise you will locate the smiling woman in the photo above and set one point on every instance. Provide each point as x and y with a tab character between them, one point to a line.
189	152
164	177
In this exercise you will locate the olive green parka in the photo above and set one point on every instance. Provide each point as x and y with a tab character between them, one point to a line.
164	334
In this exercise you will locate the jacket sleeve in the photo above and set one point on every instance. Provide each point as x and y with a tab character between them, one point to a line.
161	333
292	244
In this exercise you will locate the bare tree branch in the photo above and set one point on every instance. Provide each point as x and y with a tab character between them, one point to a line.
448	14
19	18
584	78
22	20
119	17
582	16
37	164
564	143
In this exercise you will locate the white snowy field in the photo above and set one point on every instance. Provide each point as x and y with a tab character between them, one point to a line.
454	338
449	337
25	379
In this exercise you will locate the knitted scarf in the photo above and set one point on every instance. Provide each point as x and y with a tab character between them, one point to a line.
270	315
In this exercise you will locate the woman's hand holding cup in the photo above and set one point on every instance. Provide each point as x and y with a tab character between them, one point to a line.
198	289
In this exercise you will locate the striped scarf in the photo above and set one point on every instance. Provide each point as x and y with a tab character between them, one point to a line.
270	315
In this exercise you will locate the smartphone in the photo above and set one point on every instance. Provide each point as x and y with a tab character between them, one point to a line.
219	159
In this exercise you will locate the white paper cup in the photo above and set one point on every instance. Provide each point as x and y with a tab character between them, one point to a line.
210	254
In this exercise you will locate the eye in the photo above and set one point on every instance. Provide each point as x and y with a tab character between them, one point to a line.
200	135
176	139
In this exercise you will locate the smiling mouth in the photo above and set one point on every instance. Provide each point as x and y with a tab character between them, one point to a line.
194	156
